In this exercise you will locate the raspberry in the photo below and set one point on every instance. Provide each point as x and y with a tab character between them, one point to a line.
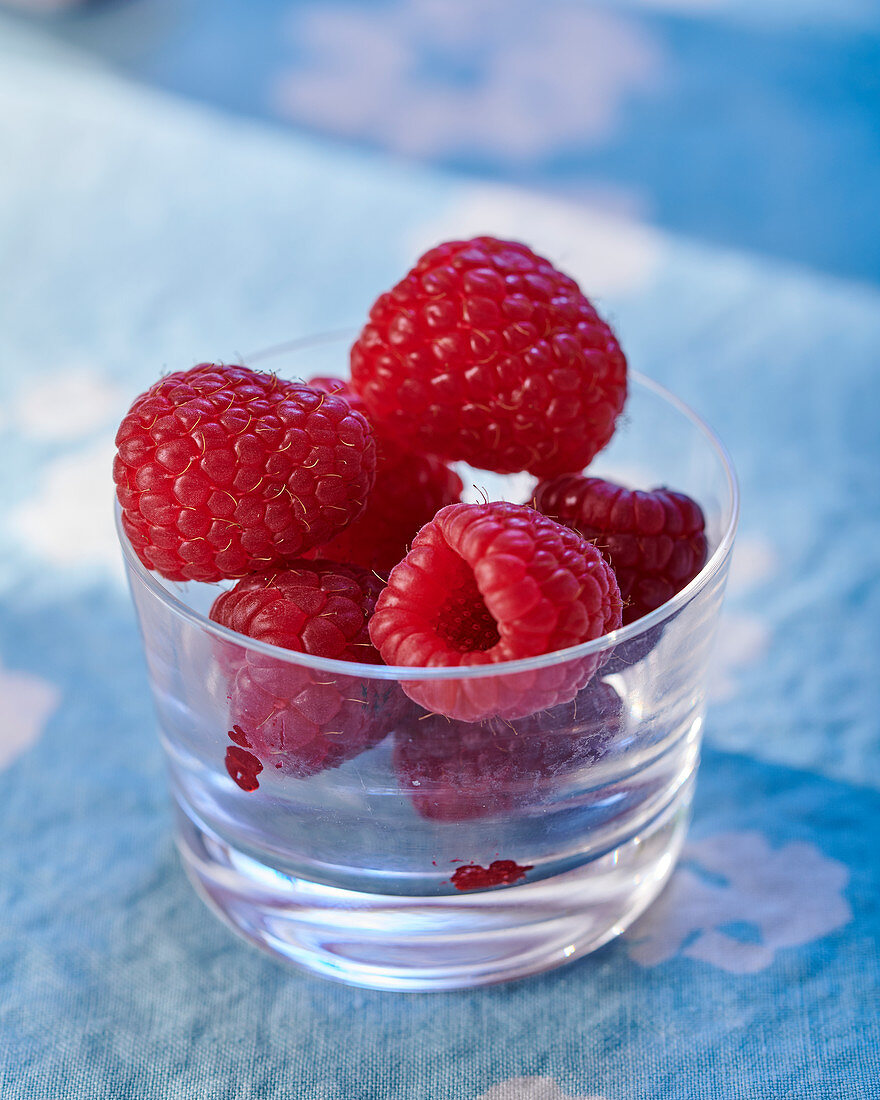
293	718
485	352
656	541
315	607
458	771
486	583
409	490
223	471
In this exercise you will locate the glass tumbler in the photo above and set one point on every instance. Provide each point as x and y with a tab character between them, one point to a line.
331	814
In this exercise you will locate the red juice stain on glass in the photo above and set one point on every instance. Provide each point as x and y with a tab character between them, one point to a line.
501	872
243	767
238	735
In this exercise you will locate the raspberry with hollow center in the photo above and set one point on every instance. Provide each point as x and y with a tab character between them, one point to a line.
223	471
486	352
656	541
489	583
293	718
409	490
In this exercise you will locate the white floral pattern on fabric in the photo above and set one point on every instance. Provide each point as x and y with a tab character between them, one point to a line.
606	252
68	404
69	521
742	639
429	77
27	702
531	1088
735	901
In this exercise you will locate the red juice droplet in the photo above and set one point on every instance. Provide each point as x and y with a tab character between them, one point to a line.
243	767
502	872
238	735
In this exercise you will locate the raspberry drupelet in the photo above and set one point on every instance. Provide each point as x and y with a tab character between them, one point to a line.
489	583
655	541
485	352
222	471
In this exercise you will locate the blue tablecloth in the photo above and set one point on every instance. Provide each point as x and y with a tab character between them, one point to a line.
140	232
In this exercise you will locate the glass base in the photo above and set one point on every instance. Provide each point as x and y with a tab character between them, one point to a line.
419	944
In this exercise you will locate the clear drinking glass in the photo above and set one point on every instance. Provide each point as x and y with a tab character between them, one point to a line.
421	852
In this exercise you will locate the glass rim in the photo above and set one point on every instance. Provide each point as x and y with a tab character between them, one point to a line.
463	672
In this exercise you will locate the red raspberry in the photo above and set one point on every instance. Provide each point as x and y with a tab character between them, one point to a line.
410	489
296	719
222	471
485	352
486	583
458	771
656	541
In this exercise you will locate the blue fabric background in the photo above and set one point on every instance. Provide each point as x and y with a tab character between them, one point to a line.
743	122
722	186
